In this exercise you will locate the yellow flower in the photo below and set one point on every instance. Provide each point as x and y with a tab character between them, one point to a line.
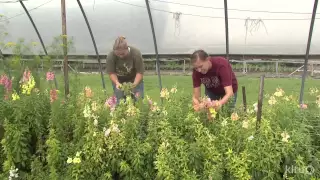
94	106
34	43
279	92
234	117
76	160
286	98
164	93
285	136
69	160
213	112
10	44
78	154
272	100
131	111
313	91
245	124
173	90
15	96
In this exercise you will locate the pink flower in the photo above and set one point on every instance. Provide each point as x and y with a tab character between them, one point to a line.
50	76
303	106
6	82
53	95
111	102
26	76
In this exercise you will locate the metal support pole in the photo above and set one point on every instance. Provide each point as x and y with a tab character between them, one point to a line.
39	36
155	46
307	51
260	102
95	46
226	27
64	38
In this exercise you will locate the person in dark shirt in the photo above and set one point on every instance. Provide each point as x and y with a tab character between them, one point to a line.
216	74
125	64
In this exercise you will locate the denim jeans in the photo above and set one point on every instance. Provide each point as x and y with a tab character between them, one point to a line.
213	96
120	94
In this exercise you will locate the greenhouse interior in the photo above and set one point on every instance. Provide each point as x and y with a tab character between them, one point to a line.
216	90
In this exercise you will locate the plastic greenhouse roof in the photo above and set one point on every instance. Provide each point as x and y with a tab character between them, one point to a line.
181	26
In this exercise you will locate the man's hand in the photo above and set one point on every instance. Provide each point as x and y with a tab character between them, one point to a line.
118	85
216	105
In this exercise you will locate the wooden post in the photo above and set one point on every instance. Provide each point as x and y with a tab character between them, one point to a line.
312	69
65	49
260	101
244	98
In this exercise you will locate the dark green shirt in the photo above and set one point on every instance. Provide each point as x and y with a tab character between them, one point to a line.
126	68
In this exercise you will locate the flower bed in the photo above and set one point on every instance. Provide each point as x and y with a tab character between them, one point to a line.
47	137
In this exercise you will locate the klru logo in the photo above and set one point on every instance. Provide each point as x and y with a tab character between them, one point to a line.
299	170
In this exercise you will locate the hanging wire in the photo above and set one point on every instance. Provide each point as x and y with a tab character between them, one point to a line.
28	10
213	17
230	9
176	17
195	15
252	25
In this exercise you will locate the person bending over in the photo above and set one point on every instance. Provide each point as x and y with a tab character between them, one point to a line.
216	74
125	64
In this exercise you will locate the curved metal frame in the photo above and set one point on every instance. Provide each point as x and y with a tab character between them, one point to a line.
155	42
155	46
39	36
226	27
305	68
95	46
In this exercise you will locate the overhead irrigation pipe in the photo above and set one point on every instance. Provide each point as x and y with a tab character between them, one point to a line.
155	46
39	36
307	52
95	46
226	27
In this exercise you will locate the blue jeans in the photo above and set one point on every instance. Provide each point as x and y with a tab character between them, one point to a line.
120	94
213	96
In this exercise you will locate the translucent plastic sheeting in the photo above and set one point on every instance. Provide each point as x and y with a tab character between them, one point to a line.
282	30
15	27
315	42
181	26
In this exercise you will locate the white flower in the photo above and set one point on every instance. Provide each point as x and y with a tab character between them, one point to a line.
107	132
13	173
115	128
224	123
86	111
78	154
165	112
272	100
95	122
255	106
94	134
285	136
250	138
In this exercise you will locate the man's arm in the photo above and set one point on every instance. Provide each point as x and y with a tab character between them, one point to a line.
196	95
226	82
229	93
196	88
139	65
